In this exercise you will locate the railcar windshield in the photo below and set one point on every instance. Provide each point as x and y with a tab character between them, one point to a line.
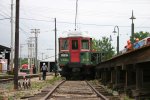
85	44
64	45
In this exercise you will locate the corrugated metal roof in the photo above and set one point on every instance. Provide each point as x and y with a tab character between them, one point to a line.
2	48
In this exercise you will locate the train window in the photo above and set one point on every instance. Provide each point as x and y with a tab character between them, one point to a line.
64	45
74	44
85	44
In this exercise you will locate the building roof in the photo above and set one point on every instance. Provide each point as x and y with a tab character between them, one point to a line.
2	48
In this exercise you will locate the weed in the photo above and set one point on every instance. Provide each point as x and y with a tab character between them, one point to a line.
1	97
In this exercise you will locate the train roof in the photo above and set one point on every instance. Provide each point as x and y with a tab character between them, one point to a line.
75	34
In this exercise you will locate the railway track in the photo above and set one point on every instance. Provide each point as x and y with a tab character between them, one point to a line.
3	81
20	77
72	90
102	91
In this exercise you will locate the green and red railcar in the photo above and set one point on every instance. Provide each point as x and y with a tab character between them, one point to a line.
76	57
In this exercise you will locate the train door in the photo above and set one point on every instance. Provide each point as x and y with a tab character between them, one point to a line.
75	50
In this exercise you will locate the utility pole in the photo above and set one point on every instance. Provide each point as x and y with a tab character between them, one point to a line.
12	38
36	31
21	46
20	53
16	46
55	48
29	61
30	51
55	42
42	55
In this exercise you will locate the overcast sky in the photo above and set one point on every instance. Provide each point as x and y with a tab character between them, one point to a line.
97	17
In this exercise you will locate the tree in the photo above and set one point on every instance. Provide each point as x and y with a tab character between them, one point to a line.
104	46
140	35
24	61
95	45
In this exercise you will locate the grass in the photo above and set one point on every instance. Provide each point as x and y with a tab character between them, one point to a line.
53	80
1	97
127	98
35	88
40	85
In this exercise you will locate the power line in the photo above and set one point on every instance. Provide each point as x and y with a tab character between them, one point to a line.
14	22
4	13
36	19
4	18
78	23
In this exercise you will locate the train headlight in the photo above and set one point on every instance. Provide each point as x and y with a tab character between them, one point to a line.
64	55
86	60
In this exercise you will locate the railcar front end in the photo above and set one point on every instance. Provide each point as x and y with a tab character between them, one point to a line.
75	56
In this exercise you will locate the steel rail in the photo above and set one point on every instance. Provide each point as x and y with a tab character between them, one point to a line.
98	94
6	80
52	91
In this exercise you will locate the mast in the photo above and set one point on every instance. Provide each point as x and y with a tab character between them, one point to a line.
76	14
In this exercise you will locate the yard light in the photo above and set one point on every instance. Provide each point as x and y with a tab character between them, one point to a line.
117	38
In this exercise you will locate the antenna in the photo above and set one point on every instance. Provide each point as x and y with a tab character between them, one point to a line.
76	14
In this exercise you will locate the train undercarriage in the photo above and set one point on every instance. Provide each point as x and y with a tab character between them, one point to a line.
76	71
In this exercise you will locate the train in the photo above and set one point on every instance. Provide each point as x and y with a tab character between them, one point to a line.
77	59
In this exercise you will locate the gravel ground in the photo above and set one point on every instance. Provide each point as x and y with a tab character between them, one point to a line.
8	93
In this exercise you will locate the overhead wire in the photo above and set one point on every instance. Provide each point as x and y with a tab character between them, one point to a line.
3	15
46	8
4	18
69	23
6	15
77	23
